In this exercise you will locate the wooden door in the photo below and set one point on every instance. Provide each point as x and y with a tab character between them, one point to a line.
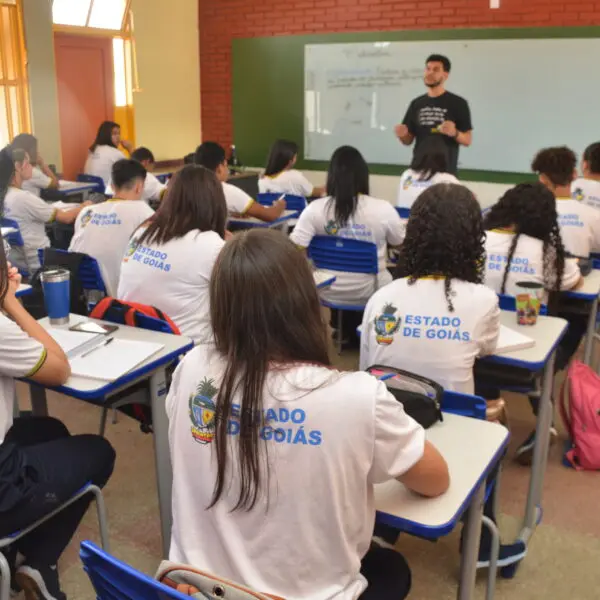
84	73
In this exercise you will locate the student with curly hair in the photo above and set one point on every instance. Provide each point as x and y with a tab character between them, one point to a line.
586	189
524	244
579	223
438	317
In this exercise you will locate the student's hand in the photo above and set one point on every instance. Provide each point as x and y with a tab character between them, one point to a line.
401	130
86	203
280	204
448	128
127	145
41	163
14	279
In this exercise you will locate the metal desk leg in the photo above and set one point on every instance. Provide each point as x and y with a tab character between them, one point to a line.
540	452
39	406
164	475
589	335
470	550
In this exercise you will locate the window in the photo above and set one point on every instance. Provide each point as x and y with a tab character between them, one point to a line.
97	14
14	102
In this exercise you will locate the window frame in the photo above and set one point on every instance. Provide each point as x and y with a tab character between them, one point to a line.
96	31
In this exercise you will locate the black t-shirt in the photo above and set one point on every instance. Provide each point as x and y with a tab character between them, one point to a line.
425	114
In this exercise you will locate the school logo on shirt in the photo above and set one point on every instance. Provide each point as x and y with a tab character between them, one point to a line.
578	194
332	228
407	182
131	248
86	217
202	412
386	325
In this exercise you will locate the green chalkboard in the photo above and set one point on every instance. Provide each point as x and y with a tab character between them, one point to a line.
268	87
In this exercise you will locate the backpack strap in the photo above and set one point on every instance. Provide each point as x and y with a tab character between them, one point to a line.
564	409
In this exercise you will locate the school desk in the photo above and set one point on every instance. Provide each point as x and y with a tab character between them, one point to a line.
69	190
589	292
23	290
250	222
98	392
436	517
8	230
546	333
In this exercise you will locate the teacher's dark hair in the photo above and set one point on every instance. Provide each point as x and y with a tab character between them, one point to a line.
531	209
104	135
347	179
430	158
557	164
441	59
254	307
194	201
280	156
444	238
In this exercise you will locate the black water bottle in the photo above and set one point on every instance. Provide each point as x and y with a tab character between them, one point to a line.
234	162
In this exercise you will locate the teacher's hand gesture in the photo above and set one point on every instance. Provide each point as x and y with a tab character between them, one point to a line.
448	128
401	130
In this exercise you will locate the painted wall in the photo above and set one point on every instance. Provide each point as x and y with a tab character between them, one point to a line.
43	95
167	119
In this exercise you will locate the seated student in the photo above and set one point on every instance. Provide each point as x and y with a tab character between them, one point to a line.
439	317
30	212
212	156
280	177
524	244
169	262
104	152
41	464
42	178
153	188
349	212
429	166
277	431
103	230
586	189
579	223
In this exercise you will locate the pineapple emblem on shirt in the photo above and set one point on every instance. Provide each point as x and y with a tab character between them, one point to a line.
202	412
386	325
331	228
578	194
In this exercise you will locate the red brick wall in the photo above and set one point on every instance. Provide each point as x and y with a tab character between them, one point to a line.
223	20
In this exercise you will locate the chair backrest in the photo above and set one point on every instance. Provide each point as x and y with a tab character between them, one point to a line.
464	405
89	274
100	185
115	580
15	238
292	201
403	212
152	324
510	303
342	254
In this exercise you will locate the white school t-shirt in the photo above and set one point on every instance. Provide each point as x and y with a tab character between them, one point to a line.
103	231
527	264
374	221
410	327
329	437
153	188
412	186
290	181
586	191
39	181
101	160
579	226
174	277
32	214
238	202
20	356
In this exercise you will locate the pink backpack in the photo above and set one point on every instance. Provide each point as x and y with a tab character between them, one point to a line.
582	416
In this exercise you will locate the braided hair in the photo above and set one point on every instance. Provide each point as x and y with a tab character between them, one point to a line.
531	209
444	237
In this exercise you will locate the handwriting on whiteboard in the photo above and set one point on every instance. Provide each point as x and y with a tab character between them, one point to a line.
367	78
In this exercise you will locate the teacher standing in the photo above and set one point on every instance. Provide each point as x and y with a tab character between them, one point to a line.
438	112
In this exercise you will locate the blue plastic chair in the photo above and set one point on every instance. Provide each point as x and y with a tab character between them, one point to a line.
89	273
403	212
464	405
100	185
292	202
14	239
351	256
115	580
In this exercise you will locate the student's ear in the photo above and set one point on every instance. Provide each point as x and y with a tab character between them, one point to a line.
293	161
575	174
139	187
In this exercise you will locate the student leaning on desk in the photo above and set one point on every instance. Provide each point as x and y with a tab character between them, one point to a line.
42	178
289	448
41	464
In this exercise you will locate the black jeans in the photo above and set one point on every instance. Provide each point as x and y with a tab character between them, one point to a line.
387	573
60	465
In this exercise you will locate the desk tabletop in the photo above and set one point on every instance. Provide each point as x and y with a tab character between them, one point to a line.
254	222
85	388
590	288
469	464
23	290
74	187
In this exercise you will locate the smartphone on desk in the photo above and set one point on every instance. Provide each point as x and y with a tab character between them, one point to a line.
92	327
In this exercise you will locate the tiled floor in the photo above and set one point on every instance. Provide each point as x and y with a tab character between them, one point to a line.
563	557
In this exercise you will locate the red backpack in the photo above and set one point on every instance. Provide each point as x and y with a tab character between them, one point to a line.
582	416
128	313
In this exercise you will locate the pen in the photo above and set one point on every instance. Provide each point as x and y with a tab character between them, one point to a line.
106	343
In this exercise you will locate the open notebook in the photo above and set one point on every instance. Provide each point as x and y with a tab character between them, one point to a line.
511	340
